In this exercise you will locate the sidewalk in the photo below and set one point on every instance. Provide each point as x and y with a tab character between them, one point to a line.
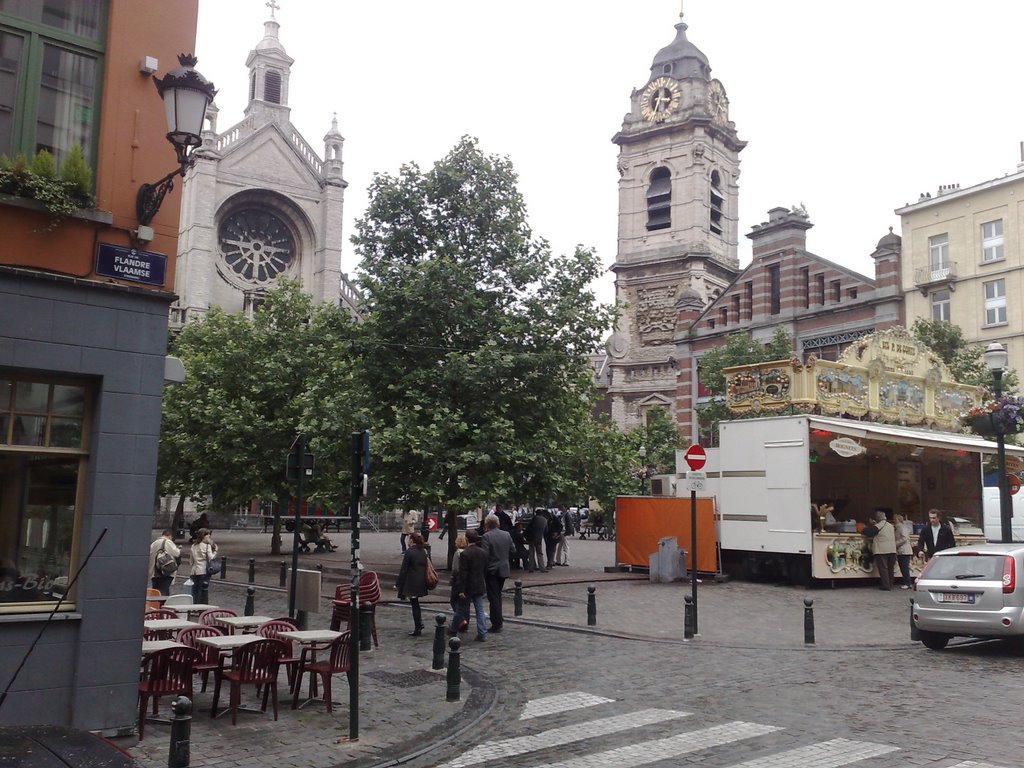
402	708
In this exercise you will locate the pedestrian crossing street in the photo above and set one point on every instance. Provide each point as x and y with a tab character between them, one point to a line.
831	753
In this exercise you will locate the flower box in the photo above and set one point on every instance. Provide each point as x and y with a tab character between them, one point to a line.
999	417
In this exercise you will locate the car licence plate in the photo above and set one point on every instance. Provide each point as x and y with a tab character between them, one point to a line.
956	597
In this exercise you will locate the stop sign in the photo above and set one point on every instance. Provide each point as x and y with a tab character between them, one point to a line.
695	457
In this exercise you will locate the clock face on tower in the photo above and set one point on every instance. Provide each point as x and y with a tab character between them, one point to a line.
256	246
718	103
659	99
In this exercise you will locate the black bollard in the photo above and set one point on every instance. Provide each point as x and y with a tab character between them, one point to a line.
284	574
808	621
688	617
204	594
454	670
365	634
181	727
302	620
439	631
320	567
223	568
915	633
252	570
517	599
250	602
591	606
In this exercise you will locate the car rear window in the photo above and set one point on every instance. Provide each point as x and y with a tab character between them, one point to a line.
976	567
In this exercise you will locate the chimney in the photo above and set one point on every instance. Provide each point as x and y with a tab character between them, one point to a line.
784	230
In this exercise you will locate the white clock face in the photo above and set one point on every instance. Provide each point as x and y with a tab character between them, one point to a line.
718	103
256	246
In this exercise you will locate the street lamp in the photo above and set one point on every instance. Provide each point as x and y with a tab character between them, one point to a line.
995	360
186	95
643	467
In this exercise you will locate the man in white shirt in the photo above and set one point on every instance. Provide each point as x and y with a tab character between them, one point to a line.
166	543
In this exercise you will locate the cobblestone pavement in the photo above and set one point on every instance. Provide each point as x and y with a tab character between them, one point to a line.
744	692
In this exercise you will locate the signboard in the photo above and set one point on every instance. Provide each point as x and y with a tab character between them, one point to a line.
130	264
1012	484
695	480
695	457
847	447
1014	464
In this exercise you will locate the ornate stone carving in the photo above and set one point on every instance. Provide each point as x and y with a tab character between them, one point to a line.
656	315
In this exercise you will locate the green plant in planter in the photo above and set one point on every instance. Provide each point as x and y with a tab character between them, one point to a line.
61	194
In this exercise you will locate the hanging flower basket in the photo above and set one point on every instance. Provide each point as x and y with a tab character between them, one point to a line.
998	417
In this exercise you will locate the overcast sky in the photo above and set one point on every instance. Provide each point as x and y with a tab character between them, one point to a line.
852	109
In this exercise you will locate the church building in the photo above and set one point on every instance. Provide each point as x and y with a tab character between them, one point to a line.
260	202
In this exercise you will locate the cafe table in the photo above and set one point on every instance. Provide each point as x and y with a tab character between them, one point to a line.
226	645
190	609
309	638
152	646
168	626
243	623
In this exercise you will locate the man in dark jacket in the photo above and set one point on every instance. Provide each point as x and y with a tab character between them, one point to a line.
469	584
498	545
535	540
936	536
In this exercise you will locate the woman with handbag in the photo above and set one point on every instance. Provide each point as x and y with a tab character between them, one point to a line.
412	579
203	553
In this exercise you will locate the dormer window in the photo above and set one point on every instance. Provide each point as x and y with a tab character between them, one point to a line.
272	87
666	69
717	203
659	200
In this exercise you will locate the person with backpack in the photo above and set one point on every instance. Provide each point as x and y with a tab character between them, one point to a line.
164	558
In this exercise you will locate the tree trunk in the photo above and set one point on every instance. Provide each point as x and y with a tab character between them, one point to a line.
275	536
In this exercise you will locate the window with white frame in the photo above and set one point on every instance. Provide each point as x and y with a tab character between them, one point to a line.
995	302
992	240
938	256
940	307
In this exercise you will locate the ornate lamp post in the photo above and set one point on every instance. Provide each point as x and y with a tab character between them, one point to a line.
995	360
186	95
643	468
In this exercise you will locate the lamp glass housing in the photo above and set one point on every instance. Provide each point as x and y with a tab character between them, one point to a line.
995	357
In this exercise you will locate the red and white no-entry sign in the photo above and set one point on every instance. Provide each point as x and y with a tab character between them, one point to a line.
695	457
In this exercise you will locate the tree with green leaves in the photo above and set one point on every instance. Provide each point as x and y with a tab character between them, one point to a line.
965	360
251	387
738	349
473	353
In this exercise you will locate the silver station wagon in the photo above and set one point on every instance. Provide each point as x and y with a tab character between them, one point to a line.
971	591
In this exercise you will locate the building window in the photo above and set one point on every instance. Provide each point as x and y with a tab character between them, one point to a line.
938	256
723	316
717	203
836	293
50	58
851	292
43	426
774	289
272	87
940	307
736	306
819	292
659	200
992	240
995	302
748	292
805	283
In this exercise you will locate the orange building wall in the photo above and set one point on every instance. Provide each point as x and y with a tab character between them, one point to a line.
132	148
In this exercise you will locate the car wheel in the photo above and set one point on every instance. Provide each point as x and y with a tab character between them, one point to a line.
934	640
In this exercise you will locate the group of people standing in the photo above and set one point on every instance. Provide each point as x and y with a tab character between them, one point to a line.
545	540
202	551
891	543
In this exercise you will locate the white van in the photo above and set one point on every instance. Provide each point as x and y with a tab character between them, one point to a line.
990	505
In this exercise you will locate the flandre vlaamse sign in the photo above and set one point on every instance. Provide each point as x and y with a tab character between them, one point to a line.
130	264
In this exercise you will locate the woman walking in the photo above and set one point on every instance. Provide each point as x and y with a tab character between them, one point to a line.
412	579
203	551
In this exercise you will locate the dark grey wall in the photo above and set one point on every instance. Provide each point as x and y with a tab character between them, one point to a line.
84	672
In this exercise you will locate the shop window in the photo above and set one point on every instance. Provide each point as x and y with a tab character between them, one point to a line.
50	58
43	426
659	200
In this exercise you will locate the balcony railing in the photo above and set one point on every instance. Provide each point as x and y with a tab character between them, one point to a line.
935	274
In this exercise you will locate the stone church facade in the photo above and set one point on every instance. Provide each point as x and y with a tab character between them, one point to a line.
260	203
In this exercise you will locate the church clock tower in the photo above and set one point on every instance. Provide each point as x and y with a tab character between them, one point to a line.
678	218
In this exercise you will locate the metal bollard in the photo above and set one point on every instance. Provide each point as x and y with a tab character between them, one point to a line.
454	670
250	602
302	620
320	567
204	593
591	606
252	570
808	621
181	727
223	568
365	634
688	617
915	633
284	574
439	630
517	599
